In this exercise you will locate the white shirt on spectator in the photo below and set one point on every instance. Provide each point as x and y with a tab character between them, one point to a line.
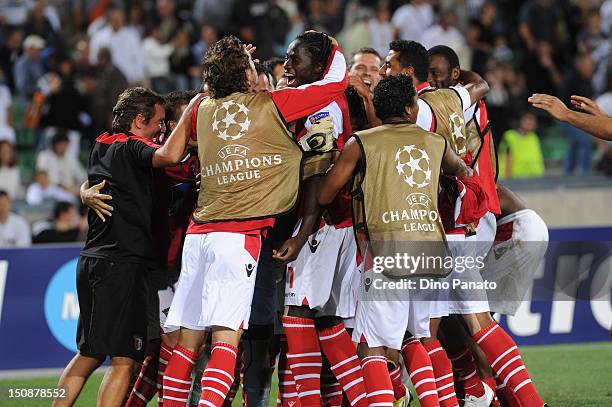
10	181
126	51
6	131
412	20
15	12
436	35
36	195
156	57
15	232
65	170
605	102
381	34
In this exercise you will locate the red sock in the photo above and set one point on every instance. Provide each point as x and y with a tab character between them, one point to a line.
463	362
331	390
304	357
443	372
395	372
145	386
490	381
218	376
231	394
421	372
177	377
287	393
377	381
504	357
165	353
505	394
339	349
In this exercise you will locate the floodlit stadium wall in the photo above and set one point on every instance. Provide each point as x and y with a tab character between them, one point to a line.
39	307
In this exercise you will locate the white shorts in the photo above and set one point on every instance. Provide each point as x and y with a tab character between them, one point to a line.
467	301
383	318
217	280
325	272
512	263
165	300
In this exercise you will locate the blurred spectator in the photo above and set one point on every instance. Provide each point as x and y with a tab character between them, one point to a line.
381	29
445	33
481	37
157	60
168	23
124	44
64	170
591	36
28	67
14	230
135	19
411	19
213	12
65	107
66	226
6	118
541	21
578	82
541	71
260	22
10	180
15	12
41	190
358	34
181	63
38	24
208	36
108	82
606	17
9	53
520	152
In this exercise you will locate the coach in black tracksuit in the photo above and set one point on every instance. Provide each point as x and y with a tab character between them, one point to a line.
112	266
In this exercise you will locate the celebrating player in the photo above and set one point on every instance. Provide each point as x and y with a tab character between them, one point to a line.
250	174
379	188
112	266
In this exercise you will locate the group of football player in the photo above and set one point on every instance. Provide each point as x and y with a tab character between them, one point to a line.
305	178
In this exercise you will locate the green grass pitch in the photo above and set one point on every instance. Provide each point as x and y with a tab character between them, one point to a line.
565	375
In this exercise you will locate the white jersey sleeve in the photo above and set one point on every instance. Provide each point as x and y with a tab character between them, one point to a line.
331	111
466	101
425	118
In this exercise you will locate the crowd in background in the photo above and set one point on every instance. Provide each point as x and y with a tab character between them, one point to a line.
64	62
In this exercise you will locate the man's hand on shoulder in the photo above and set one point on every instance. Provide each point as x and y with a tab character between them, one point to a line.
95	200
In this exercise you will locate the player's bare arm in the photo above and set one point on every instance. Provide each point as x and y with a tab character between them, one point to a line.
340	173
174	149
594	122
455	166
94	200
312	214
475	85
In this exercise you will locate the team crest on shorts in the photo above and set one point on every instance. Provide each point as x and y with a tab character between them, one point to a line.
313	245
138	342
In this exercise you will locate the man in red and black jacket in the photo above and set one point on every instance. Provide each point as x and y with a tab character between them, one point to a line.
112	267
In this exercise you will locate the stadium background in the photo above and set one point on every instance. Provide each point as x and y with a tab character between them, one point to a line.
520	47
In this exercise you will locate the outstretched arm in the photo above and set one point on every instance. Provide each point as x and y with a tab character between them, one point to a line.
340	173
595	122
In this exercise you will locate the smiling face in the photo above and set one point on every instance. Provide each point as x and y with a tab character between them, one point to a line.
366	66
299	67
440	74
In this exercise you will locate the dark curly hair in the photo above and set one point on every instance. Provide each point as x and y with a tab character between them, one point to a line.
318	45
132	102
447	53
412	53
174	101
392	95
224	67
